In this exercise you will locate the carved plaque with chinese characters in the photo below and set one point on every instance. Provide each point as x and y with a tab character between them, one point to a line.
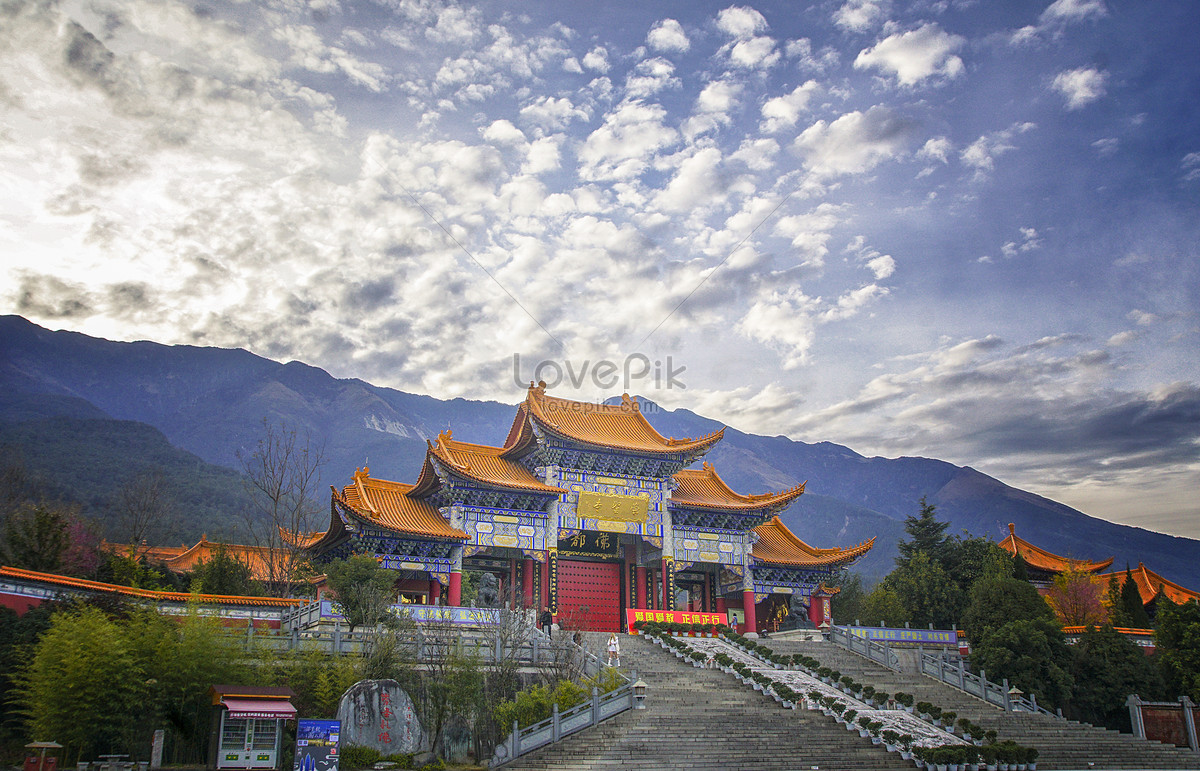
614	508
588	544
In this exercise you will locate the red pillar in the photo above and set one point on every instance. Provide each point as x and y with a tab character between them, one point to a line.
748	605
512	584
455	592
641	588
720	604
668	602
527	582
435	591
545	583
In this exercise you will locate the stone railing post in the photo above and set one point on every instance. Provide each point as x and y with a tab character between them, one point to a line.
595	706
1007	697
556	731
1189	722
1135	715
1033	700
962	675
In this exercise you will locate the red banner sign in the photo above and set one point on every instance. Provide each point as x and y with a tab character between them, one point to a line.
672	617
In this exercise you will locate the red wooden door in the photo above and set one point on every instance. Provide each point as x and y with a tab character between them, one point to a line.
589	595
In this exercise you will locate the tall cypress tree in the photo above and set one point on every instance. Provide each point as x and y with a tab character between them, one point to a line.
926	535
1131	601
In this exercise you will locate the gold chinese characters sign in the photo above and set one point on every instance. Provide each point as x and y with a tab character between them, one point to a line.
614	508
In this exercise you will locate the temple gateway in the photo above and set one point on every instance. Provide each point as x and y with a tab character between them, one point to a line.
587	510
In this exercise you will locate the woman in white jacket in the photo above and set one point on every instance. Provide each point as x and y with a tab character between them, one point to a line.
614	649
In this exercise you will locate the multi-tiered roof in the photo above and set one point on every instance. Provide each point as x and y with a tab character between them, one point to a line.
1047	562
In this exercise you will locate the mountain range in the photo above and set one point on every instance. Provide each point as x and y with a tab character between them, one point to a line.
82	408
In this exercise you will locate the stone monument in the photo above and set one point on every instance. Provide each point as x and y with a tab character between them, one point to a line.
380	715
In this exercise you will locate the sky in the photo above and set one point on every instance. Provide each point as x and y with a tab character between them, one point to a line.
960	230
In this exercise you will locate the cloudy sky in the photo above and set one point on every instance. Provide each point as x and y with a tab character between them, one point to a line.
959	229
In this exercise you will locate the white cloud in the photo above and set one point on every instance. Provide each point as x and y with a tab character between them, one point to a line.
981	154
936	149
622	147
916	55
1191	166
649	77
696	183
854	143
549	112
861	15
1081	86
783	111
741	22
755	53
597	59
503	132
668	35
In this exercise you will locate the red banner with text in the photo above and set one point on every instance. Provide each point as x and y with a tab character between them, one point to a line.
672	617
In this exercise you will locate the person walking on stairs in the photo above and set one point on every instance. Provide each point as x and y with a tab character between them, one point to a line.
614	649
546	621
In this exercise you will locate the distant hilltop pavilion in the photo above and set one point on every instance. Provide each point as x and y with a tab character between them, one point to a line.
586	510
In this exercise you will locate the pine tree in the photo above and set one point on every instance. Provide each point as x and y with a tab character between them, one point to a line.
1131	600
926	535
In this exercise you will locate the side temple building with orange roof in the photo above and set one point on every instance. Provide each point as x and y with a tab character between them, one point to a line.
588	511
1043	566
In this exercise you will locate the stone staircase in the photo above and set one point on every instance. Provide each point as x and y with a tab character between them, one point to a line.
1063	744
703	719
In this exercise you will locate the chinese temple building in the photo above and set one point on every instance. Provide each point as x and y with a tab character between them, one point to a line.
1042	565
1152	587
586	510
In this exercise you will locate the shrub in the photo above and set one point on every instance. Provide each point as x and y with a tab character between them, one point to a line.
865	722
849	715
355	756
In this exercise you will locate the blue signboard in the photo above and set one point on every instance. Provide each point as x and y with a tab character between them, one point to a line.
911	636
317	745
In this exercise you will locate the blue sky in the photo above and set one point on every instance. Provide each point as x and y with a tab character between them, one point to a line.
962	230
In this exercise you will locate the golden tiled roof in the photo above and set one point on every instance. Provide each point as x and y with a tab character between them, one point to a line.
1151	585
704	488
145	594
1043	560
389	505
615	426
485	464
779	546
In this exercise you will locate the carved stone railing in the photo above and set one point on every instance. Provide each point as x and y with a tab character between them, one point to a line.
880	654
562	724
954	672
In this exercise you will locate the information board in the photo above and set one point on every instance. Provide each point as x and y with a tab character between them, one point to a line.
317	745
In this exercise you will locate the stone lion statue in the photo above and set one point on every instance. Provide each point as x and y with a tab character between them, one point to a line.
488	595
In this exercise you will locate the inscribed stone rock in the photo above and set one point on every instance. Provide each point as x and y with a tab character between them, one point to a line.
380	715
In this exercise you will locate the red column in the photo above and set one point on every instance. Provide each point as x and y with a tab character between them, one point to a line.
668	602
748	605
435	591
512	584
720	604
545	583
455	592
527	582
641	588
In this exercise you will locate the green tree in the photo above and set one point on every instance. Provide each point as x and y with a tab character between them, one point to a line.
84	685
847	604
927	535
1131	603
1107	667
1177	640
1032	654
997	599
926	591
884	606
224	573
1116	604
36	536
365	591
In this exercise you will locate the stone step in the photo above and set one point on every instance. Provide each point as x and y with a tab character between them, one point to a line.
1062	743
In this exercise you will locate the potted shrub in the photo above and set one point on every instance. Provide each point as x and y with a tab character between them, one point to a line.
976	732
918	756
848	716
947	719
891	740
906	701
875	727
906	748
987	754
868	693
1031	756
814	699
864	723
